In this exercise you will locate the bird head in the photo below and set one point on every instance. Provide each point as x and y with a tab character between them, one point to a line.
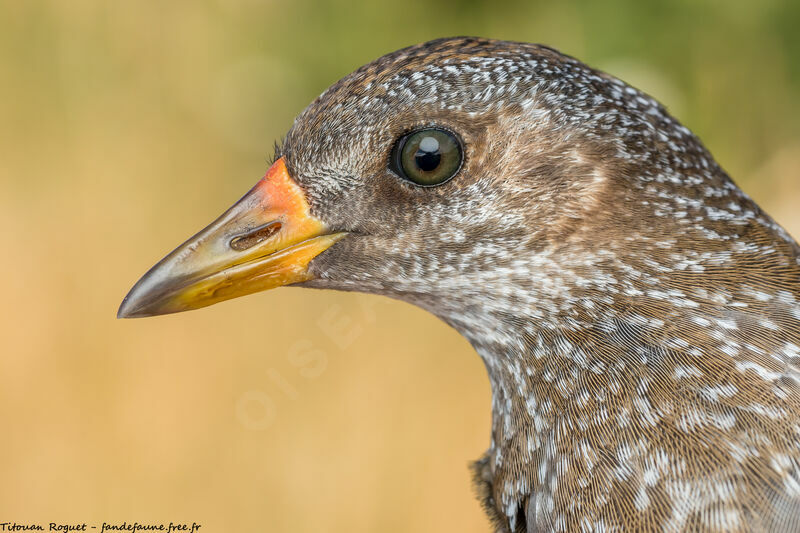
446	174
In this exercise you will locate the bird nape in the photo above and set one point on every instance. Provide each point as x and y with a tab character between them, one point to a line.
638	314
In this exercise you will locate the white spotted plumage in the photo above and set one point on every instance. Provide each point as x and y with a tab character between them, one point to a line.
637	313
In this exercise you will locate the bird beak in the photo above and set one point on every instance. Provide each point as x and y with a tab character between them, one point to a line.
266	240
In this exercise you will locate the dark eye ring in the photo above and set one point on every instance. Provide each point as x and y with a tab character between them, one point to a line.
427	157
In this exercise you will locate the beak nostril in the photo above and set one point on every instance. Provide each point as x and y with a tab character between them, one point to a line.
255	236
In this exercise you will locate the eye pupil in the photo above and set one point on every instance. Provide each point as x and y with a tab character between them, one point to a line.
427	157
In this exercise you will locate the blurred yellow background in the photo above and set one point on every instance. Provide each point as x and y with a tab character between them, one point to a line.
125	126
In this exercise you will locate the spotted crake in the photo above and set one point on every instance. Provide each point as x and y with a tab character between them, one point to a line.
638	314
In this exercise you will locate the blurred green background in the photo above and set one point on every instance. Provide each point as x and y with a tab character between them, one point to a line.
125	126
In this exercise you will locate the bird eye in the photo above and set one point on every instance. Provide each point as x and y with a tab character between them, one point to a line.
427	157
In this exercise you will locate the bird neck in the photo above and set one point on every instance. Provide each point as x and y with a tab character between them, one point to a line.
556	341
576	346
588	357
552	385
